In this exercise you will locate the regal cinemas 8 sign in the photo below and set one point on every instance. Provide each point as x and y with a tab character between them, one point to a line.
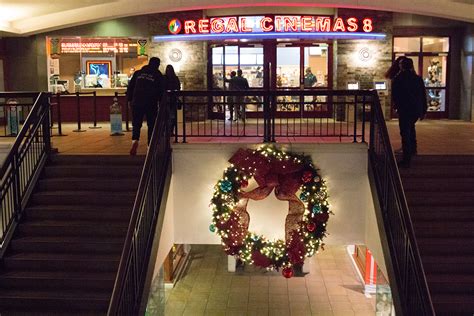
264	24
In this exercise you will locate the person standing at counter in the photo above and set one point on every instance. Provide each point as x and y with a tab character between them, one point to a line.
144	91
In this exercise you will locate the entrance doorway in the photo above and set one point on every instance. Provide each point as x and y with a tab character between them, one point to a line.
273	65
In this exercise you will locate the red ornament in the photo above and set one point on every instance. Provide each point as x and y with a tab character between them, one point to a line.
307	176
287	272
311	227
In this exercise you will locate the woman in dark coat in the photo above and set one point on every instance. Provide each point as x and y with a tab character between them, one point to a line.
173	84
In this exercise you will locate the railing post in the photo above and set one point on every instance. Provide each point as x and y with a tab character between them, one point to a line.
273	111
266	105
46	129
78	102
363	117
60	128
16	185
356	96
184	120
94	101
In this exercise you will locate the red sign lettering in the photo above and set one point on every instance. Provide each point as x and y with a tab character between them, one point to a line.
323	25
189	27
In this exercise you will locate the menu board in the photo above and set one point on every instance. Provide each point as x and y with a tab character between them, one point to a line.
96	46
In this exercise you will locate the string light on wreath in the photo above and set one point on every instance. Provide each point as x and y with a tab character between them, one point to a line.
293	178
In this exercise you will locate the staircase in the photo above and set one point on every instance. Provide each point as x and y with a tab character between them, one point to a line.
64	256
440	196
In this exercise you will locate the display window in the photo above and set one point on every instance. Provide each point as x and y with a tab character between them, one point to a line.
81	64
430	57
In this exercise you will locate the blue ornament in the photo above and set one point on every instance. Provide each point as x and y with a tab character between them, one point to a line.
303	197
255	238
316	208
212	228
226	186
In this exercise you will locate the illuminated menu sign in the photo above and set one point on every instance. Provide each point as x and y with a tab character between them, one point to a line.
264	24
96	46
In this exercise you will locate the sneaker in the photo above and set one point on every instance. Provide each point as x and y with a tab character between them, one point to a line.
133	150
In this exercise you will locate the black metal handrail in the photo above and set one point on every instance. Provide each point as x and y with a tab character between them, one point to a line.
269	114
406	274
14	114
22	165
132	272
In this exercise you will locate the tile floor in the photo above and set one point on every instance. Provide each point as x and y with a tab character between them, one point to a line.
434	137
206	288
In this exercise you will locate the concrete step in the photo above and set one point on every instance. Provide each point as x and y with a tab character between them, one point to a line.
61	262
98	198
86	245
79	212
55	228
89	184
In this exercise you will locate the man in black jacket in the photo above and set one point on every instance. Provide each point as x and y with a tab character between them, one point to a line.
409	96
144	92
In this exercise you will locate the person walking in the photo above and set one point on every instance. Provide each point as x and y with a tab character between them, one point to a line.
144	91
241	84
230	98
409	96
390	74
172	84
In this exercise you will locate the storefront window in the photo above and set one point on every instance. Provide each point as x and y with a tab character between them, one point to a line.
251	63
316	59
406	44
288	67
430	59
435	44
76	63
218	67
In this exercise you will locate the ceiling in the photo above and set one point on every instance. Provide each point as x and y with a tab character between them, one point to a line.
25	17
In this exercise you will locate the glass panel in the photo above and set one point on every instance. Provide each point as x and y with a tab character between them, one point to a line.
217	53
252	69
434	71
231	55
436	100
316	66
435	44
288	67
406	44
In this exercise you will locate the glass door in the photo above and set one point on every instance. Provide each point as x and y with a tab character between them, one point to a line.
430	57
227	59
302	66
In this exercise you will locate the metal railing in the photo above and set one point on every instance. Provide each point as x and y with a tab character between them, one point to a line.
24	162
14	108
269	115
407	278
132	273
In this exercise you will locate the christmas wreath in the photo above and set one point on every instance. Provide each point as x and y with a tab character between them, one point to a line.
293	178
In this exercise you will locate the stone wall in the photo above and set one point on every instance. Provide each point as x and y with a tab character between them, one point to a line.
365	60
192	68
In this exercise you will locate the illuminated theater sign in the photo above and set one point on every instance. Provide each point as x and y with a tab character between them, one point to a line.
270	27
279	23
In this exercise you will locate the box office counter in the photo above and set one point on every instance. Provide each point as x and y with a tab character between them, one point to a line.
104	97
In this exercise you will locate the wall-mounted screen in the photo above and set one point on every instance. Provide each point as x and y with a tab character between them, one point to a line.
99	67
